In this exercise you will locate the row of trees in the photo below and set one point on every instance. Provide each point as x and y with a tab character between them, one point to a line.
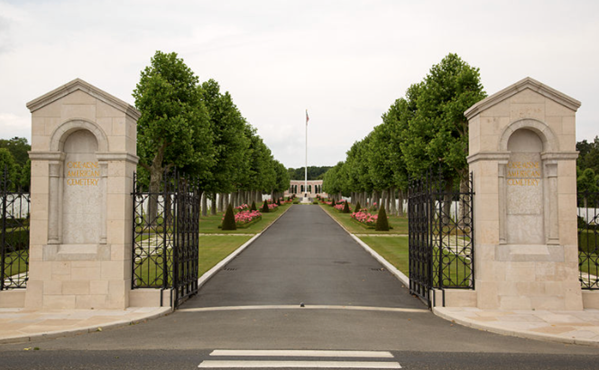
197	129
425	128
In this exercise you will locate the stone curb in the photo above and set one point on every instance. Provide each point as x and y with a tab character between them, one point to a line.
439	311
84	330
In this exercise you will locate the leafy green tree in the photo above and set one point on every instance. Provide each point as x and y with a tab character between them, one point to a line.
438	132
587	183
588	156
9	168
174	127
18	147
230	143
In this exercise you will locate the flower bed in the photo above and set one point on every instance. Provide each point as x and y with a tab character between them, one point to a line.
365	219
241	208
272	206
244	219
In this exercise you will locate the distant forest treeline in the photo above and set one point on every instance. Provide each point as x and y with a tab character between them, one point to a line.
314	172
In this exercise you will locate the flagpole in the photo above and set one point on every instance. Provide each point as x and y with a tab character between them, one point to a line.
306	168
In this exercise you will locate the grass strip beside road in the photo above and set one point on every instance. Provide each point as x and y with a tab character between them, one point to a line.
209	224
394	249
215	248
399	224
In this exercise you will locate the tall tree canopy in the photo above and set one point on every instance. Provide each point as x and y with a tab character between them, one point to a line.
174	128
438	131
230	142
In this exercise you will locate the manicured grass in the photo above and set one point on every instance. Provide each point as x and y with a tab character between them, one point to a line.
215	248
209	224
399	224
393	248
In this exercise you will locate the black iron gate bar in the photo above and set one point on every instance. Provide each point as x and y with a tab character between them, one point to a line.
588	240
166	236
14	240
440	242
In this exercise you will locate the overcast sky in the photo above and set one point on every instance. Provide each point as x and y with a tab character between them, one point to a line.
345	61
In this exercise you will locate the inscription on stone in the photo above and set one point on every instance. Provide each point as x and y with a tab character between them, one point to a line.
523	173
82	173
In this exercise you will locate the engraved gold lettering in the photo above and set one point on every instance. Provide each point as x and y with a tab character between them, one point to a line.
82	173
523	173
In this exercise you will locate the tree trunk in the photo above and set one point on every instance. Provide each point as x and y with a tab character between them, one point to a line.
213	205
221	202
400	199
204	205
226	201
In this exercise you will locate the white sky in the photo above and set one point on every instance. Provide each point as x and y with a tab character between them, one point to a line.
345	61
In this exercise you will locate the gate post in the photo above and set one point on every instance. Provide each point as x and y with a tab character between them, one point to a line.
83	156
523	157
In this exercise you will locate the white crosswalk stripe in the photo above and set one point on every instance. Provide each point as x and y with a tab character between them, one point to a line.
281	359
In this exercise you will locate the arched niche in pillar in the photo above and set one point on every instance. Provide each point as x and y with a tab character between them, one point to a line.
528	185
77	192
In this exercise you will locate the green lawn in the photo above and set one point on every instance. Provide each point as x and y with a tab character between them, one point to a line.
215	248
399	224
394	249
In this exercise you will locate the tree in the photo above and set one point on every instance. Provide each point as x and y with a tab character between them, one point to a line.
588	156
230	143
10	168
174	129
18	147
438	132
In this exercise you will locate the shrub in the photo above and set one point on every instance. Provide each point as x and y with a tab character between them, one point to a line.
382	224
315	202
333	202
346	208
358	206
278	202
229	220
265	208
253	207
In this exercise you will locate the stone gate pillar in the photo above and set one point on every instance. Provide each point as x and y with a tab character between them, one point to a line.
83	155
523	158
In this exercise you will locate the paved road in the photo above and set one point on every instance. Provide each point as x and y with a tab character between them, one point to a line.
305	257
254	304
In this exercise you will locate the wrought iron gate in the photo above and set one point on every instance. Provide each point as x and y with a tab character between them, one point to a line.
441	237
588	240
14	240
166	236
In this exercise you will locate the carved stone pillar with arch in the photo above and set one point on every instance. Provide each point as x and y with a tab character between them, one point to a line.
82	162
523	158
